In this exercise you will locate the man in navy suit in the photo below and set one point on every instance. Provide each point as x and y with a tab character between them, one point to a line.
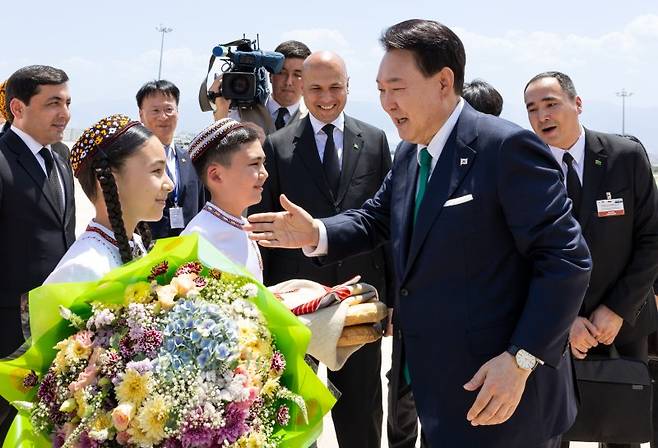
158	111
491	267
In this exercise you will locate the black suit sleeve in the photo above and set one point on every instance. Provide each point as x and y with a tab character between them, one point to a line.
629	295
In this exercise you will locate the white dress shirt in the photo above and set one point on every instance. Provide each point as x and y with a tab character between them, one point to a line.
435	148
35	147
90	257
273	108
577	151
230	241
321	137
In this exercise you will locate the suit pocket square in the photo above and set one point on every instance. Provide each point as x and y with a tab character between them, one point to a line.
459	200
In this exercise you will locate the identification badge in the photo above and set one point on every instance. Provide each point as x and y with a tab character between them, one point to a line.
610	207
176	220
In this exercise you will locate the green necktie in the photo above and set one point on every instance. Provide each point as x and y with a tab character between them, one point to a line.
423	175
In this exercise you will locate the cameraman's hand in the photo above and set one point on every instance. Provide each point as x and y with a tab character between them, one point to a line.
258	129
222	105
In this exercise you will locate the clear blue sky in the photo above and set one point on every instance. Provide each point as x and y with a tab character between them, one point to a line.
110	48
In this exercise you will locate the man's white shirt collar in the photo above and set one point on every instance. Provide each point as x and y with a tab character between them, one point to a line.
339	123
273	106
441	137
577	151
29	141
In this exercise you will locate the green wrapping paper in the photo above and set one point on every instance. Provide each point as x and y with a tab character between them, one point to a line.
47	328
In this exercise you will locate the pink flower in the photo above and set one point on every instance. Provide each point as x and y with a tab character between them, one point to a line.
84	338
123	438
122	415
88	375
67	429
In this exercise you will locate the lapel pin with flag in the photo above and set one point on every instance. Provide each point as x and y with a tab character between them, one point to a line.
356	146
598	162
463	162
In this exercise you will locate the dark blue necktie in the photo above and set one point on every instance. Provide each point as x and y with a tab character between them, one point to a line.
330	161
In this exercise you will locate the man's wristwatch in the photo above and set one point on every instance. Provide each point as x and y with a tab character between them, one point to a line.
212	95
524	360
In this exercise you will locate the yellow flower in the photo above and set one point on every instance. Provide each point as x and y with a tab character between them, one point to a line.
139	437
76	351
153	416
253	440
139	292
103	421
60	363
81	402
271	385
134	387
100	427
264	348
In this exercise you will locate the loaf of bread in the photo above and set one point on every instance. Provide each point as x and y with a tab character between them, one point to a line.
365	296
359	334
371	312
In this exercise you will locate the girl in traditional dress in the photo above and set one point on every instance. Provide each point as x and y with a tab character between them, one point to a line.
121	167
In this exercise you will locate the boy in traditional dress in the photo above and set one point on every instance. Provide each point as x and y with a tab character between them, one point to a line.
230	161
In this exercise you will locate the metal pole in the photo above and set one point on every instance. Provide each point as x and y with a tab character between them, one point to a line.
623	94
162	29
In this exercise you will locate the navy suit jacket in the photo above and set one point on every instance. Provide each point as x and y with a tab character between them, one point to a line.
191	196
508	267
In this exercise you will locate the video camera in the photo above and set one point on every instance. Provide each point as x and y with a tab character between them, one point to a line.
244	79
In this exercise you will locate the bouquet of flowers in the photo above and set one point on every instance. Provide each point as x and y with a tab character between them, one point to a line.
191	353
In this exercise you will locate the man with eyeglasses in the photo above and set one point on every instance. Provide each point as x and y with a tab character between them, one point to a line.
158	111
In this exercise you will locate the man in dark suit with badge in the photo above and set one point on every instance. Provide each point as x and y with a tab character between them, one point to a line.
330	162
610	183
37	202
490	266
158	111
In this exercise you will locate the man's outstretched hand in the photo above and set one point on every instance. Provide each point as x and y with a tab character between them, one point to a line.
292	228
